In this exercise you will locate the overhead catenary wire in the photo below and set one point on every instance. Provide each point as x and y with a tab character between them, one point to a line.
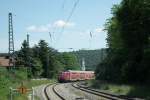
63	4
140	21
72	11
70	15
55	27
62	8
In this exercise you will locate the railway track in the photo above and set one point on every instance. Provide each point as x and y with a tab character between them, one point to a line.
98	93
45	92
54	91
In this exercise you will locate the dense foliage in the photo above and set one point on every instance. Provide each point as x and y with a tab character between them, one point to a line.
9	79
91	57
44	61
14	79
70	61
128	40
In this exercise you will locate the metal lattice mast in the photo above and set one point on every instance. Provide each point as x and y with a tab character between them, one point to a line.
83	65
28	40
11	41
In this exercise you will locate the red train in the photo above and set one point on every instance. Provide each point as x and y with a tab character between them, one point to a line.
71	75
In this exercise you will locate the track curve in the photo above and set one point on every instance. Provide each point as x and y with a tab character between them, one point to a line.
98	93
57	93
45	92
54	86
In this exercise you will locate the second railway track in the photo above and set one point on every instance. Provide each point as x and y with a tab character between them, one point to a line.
98	93
54	92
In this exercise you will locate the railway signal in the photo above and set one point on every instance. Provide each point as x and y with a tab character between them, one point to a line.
21	90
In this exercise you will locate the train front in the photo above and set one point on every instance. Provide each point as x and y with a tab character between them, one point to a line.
60	77
63	76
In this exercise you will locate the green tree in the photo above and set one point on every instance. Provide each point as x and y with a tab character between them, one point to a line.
37	68
44	61
133	17
92	57
49	58
128	42
24	58
24	54
70	61
44	56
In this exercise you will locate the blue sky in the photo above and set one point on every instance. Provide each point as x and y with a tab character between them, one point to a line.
39	17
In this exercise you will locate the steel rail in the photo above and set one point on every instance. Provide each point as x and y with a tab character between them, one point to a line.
113	95
56	92
45	92
98	93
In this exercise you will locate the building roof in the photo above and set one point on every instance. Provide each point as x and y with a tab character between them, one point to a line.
3	54
4	61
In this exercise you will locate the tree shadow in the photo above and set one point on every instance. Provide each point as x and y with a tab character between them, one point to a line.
142	92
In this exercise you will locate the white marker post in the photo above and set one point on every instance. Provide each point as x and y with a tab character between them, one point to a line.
32	93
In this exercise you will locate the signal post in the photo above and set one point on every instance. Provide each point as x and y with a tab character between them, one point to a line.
21	90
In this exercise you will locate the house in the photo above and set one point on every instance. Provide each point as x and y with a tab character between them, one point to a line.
4	60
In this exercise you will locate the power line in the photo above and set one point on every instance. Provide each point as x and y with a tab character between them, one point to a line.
70	15
62	8
72	11
63	4
54	27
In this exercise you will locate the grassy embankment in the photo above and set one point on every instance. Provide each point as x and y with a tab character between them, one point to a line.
140	91
8	79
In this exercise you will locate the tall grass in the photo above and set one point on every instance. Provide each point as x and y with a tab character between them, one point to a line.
15	79
130	90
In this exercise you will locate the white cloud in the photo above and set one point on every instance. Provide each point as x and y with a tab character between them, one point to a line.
47	27
98	30
61	23
39	29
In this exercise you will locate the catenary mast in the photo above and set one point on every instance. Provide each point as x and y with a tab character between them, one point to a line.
11	41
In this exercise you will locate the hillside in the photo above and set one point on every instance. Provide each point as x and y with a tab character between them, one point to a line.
92	57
